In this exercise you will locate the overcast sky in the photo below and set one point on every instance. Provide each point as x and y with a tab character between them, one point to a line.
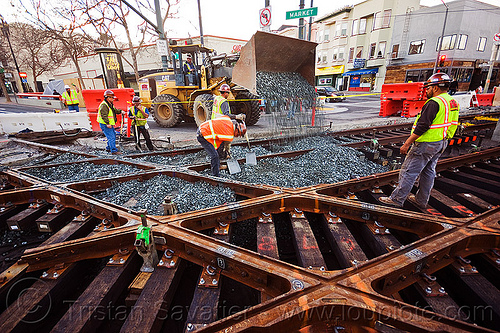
230	18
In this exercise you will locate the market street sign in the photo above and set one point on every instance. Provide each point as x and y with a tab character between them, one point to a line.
294	14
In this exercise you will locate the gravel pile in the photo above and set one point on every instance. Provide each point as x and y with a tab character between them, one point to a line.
150	194
324	165
81	171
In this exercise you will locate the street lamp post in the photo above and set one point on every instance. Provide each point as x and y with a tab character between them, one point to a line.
5	31
441	40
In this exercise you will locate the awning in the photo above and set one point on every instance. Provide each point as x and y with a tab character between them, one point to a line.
361	72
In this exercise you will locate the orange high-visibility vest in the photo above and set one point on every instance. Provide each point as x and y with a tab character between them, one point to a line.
217	130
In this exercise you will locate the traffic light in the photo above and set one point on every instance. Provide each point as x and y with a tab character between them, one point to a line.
442	60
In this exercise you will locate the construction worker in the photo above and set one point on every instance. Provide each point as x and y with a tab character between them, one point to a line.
435	124
214	132
189	70
220	107
70	98
106	117
139	116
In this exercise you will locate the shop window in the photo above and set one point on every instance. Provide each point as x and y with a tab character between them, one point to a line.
362	26
386	21
373	47
461	74
462	42
448	42
417	46
481	44
381	49
351	54
355	27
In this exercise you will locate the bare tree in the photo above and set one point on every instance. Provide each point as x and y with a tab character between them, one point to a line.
36	49
3	60
62	23
106	15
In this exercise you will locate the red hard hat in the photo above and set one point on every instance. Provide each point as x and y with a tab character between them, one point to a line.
225	88
108	93
438	79
240	129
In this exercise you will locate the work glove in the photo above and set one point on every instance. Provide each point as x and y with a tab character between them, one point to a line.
241	116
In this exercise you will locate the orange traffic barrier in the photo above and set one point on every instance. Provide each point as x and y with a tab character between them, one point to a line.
485	99
412	108
390	107
94	97
404	91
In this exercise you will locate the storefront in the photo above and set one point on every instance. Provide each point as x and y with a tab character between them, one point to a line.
361	79
330	76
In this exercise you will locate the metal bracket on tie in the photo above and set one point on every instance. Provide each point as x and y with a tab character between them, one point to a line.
351	196
55	272
429	286
222	229
378	229
376	190
463	266
297	213
120	258
493	256
83	217
210	277
56	210
333	219
169	259
265	218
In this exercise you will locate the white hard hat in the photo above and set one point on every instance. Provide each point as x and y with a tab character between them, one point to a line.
67	87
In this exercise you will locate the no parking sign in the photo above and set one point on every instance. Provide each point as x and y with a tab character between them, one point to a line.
265	18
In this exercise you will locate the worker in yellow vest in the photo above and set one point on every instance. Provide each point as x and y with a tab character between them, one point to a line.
70	98
106	117
434	125
139	116
220	107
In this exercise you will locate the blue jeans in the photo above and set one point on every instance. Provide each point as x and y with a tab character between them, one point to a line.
212	152
420	161
74	107
110	134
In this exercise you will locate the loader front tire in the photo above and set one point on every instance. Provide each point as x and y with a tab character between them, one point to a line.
202	108
248	104
167	110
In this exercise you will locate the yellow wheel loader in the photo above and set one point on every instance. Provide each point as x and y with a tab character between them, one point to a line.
176	96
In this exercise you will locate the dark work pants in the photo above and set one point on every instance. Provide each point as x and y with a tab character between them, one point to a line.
142	130
212	152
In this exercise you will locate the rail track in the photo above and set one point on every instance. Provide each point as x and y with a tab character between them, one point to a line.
323	258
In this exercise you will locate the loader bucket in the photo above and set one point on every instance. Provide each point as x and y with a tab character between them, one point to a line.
267	52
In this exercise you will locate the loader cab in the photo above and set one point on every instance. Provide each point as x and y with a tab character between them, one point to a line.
179	56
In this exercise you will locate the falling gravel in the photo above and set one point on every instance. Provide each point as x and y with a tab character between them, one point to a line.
280	88
149	194
81	171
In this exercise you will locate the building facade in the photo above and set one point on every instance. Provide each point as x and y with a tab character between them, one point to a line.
353	43
466	48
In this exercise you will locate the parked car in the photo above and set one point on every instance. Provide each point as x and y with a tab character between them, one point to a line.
331	93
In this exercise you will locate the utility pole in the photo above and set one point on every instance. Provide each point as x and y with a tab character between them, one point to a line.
5	31
310	24
158	27
441	40
201	25
301	21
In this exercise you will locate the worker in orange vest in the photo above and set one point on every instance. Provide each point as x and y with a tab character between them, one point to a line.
214	132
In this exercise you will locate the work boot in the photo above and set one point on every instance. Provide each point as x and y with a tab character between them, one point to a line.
116	153
388	201
411	198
